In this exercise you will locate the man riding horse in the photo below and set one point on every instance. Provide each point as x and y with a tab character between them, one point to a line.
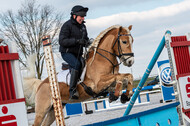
72	38
112	47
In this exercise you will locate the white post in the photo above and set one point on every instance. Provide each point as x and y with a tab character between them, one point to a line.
174	72
18	81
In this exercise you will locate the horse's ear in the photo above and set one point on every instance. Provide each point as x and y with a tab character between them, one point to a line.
130	27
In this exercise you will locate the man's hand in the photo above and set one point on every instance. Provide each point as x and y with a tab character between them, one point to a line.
81	41
88	43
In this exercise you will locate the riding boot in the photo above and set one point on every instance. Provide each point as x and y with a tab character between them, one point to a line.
80	73
73	82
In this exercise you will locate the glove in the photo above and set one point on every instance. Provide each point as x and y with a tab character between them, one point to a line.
81	41
88	43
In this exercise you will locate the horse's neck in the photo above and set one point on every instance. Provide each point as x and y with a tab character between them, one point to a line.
98	65
106	45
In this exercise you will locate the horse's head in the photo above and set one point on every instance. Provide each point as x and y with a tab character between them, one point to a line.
123	46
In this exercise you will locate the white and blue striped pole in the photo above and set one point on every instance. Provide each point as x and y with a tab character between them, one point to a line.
146	74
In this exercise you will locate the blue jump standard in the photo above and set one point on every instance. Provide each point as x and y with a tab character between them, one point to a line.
161	116
146	74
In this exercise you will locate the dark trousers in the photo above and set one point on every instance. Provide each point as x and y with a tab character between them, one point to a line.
72	60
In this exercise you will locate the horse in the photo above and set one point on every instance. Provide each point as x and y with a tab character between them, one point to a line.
102	74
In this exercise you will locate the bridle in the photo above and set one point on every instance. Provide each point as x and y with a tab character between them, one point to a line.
119	46
119	50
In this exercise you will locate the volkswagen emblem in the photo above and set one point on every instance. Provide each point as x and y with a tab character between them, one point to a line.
165	75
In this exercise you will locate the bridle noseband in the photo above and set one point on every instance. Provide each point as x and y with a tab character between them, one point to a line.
119	50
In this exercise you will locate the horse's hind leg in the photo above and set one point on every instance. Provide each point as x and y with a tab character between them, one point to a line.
129	91
40	117
50	118
42	104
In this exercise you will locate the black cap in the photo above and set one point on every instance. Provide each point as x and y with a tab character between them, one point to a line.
79	10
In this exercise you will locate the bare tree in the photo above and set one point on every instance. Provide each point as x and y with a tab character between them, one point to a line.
27	27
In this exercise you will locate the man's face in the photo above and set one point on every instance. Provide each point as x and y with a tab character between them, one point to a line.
79	19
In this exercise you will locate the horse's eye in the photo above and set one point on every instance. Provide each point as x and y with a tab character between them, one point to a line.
124	42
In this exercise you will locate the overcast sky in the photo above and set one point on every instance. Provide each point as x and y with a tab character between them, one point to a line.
150	20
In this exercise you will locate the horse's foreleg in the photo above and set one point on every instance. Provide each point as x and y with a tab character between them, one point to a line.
129	91
107	80
118	88
126	96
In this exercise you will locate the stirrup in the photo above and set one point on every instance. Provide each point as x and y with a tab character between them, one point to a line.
74	96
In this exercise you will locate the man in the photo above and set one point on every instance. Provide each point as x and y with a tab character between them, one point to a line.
72	38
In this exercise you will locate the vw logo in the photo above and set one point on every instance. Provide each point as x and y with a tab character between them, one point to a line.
165	75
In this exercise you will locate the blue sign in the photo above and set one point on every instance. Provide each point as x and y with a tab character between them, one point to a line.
165	80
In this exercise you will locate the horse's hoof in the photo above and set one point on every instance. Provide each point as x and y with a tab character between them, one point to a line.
112	97
124	98
110	101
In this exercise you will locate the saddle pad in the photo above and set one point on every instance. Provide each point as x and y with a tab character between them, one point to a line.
64	76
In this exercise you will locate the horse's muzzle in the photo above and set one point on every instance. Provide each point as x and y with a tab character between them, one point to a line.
127	60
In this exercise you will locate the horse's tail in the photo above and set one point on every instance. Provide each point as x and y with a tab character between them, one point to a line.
30	82
31	73
30	86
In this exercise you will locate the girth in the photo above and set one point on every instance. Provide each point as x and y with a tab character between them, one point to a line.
90	92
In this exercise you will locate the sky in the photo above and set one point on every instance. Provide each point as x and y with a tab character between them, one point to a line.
150	20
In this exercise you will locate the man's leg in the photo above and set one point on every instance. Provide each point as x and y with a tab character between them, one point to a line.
75	65
73	82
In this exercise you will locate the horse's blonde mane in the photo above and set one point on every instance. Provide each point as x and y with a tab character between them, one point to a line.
94	45
96	41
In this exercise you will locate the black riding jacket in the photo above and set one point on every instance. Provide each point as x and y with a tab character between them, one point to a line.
70	32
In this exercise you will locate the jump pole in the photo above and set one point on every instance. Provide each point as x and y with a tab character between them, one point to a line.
57	104
146	74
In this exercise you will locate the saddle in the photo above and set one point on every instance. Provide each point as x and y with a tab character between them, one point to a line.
66	66
64	75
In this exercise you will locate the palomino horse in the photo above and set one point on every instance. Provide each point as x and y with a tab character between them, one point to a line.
101	73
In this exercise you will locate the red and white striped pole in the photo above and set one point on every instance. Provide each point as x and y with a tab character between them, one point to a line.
57	104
